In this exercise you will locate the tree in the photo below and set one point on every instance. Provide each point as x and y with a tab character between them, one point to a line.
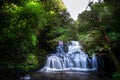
100	23
20	26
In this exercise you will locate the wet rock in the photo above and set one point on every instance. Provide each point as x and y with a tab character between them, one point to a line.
27	77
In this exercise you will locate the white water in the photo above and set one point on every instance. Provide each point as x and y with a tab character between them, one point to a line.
74	59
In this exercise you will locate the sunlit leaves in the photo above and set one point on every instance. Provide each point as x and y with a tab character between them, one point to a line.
34	39
13	8
31	61
53	5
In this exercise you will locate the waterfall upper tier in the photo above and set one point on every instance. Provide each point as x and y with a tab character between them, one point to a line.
74	59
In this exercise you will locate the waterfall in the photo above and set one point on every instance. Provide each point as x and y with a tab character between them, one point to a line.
94	61
74	59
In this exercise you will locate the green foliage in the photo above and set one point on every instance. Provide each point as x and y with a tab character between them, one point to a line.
27	27
20	26
100	27
53	5
116	76
31	61
114	36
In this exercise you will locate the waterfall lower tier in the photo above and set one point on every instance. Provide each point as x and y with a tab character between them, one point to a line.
74	59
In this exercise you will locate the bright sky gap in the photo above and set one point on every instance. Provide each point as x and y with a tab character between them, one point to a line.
75	7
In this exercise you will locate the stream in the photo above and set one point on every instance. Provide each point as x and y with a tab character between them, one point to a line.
69	75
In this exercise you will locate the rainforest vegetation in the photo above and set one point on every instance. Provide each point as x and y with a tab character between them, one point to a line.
30	29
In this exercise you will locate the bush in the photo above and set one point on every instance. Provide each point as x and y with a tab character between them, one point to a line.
116	76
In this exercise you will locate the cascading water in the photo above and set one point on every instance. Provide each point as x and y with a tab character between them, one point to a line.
74	59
